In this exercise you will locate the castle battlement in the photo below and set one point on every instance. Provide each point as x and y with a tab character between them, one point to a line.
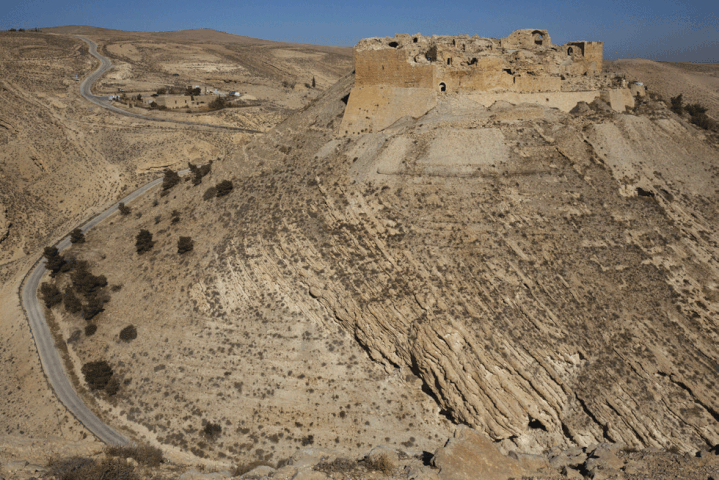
403	75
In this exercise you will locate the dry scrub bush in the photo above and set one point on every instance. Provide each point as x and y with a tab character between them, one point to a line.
170	179
124	209
143	454
76	236
72	303
212	430
78	468
143	241
224	188
97	374
382	463
128	333
184	244
243	468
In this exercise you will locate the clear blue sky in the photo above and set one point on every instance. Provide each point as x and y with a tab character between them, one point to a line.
670	30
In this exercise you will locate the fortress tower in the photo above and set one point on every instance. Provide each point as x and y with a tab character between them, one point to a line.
405	74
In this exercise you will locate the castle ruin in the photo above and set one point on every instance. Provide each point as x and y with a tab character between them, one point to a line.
405	75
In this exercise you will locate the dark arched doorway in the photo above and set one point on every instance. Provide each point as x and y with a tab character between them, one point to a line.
442	87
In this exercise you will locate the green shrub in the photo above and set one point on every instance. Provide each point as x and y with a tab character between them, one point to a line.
217	104
699	116
55	261
199	172
144	241
143	454
78	468
128	333
72	303
185	244
90	330
76	236
224	188
85	282
212	430
113	386
50	294
124	209
93	306
243	468
210	193
677	104
170	179
97	374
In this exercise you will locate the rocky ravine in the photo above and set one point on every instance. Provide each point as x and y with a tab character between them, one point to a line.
551	278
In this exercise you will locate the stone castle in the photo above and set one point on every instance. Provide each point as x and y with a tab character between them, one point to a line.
406	74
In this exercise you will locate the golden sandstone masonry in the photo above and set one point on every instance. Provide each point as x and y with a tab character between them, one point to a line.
404	75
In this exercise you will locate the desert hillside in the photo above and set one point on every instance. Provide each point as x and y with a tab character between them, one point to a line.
697	82
63	160
549	279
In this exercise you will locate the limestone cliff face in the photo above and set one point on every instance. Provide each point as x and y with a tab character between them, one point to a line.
552	278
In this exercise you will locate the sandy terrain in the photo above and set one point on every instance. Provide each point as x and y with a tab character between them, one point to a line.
698	82
61	159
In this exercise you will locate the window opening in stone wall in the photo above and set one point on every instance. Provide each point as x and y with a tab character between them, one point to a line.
415	39
449	61
570	51
393	44
442	87
473	61
538	40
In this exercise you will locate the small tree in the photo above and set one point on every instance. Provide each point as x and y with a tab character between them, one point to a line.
144	241
90	329
210	193
76	236
128	333
50	294
185	244
217	103
314	84
212	430
94	306
97	374
224	188
55	261
677	104
72	303
170	179
154	104
139	97
85	282
124	209
174	217
161	91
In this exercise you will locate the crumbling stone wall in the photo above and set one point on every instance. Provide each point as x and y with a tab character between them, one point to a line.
525	62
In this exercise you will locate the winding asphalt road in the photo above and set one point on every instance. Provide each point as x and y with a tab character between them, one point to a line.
49	356
105	65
